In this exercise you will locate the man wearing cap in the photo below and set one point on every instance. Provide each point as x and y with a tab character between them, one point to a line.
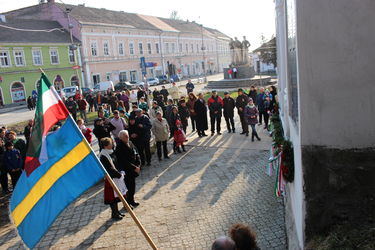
215	105
143	122
241	103
229	105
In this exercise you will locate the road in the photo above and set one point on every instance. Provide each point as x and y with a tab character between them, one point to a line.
186	201
19	115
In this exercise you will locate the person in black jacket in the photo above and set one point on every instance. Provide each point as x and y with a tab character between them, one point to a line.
229	105
215	105
102	130
253	94
201	118
109	161
27	131
164	92
183	111
241	102
143	122
128	161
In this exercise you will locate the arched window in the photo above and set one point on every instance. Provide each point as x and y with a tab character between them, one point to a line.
74	81
58	83
18	92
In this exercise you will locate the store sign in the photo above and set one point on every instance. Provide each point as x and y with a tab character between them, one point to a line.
76	67
18	95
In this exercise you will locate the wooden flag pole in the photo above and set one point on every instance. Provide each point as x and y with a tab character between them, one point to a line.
119	194
130	211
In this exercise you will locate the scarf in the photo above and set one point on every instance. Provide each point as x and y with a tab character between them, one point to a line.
251	106
107	153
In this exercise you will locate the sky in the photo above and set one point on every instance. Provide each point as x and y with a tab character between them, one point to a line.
252	18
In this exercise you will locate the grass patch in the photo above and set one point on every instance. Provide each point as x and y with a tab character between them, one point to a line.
345	237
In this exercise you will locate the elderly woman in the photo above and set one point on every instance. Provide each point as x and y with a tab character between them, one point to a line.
108	159
154	110
251	116
160	129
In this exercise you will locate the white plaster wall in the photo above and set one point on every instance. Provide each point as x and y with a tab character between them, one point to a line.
336	57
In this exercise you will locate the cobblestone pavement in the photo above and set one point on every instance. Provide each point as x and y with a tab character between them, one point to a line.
186	202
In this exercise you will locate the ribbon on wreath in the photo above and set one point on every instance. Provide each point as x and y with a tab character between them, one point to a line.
280	182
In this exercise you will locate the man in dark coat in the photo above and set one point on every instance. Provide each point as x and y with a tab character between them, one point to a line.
215	105
183	111
241	103
102	129
253	94
155	94
71	105
128	161
164	92
143	122
260	104
189	86
229	105
140	94
135	132
27	131
201	118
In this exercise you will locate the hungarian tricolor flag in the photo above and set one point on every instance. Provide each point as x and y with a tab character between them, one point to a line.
49	110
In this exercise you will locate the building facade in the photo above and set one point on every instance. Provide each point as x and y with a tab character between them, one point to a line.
325	54
24	53
113	43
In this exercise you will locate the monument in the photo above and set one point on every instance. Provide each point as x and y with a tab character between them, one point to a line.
239	73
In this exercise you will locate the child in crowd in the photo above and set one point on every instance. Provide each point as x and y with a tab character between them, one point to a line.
12	162
87	132
179	138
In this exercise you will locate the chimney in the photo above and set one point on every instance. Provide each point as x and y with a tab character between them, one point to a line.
3	19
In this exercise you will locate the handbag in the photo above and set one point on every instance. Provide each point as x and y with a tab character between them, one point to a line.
120	183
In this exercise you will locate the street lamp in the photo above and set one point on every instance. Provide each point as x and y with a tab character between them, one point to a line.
260	75
203	56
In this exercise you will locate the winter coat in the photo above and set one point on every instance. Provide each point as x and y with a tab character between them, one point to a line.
189	87
12	159
184	114
134	129
164	93
103	131
215	104
155	94
153	112
172	121
146	129
174	92
82	104
260	103
190	104
241	102
229	105
71	106
143	106
127	158
160	129
201	111
251	115
168	111
253	95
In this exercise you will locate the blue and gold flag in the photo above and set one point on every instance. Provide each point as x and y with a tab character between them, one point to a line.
71	168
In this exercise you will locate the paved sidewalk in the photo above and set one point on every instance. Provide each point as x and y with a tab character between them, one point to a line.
186	202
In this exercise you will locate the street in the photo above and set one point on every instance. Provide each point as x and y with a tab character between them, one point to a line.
186	201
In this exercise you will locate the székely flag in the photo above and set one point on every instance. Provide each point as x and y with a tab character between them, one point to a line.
68	168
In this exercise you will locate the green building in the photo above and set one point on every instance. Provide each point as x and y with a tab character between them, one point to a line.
28	45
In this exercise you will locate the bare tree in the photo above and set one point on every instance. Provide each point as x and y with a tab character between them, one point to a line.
174	15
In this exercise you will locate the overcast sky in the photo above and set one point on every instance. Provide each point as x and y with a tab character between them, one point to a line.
234	18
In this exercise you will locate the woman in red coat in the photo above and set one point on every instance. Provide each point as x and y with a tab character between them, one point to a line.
108	159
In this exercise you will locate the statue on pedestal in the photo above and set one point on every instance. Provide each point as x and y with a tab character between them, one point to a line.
245	50
231	48
237	52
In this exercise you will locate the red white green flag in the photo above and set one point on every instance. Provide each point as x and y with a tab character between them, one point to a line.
49	110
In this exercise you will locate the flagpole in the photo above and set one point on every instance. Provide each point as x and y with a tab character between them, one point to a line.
119	194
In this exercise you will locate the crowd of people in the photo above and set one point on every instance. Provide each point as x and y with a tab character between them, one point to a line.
128	120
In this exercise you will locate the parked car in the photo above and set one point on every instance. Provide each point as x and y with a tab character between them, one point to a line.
153	81
104	86
137	84
175	78
163	79
69	91
123	85
86	91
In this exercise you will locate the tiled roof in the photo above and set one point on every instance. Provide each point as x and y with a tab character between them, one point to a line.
18	36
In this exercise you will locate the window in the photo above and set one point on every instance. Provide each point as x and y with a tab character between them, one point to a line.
74	81
131	48
149	48
37	57
4	59
18	58
71	56
54	55
140	46
96	78
108	76
180	47
187	48
192	48
166	48
133	75
121	49
173	47
123	77
94	49
157	48
106	48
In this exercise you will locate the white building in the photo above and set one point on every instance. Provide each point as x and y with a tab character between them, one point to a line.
326	93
